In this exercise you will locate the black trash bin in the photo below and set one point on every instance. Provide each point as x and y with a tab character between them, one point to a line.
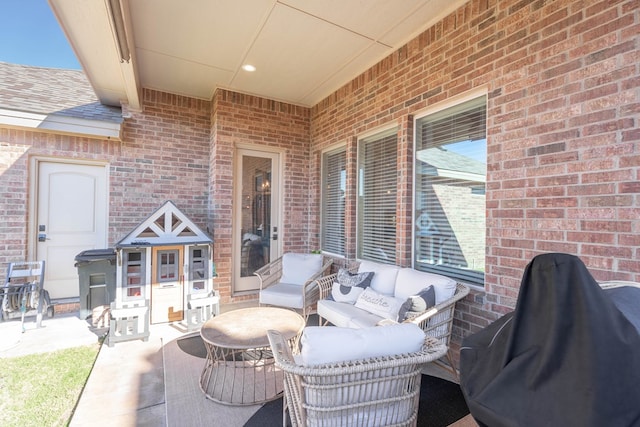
97	278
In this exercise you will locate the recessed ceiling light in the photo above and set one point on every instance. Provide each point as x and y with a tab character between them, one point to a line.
248	67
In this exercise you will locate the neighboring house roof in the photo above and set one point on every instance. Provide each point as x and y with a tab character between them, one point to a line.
54	99
442	162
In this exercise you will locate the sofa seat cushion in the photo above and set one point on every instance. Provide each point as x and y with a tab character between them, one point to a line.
411	282
325	344
346	315
384	278
282	295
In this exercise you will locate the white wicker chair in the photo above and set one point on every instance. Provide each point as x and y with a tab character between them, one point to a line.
298	297
382	391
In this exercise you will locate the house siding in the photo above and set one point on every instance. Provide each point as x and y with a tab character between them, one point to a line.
562	80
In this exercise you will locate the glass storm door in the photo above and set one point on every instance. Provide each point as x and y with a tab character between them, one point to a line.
256	232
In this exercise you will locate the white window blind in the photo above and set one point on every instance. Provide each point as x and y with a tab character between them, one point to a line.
451	170
334	183
378	177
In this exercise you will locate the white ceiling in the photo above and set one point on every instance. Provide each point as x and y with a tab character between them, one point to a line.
303	50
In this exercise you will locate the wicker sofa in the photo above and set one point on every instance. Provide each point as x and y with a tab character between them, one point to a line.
399	283
369	391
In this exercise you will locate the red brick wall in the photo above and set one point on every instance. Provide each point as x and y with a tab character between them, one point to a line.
563	85
244	119
164	155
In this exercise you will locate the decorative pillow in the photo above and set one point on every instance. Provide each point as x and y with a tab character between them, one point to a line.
349	286
415	304
376	303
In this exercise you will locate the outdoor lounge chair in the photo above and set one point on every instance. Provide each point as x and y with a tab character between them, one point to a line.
290	281
373	391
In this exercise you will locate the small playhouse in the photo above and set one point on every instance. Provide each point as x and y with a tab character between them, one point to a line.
164	273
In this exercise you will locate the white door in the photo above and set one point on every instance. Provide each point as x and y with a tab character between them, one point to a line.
167	284
71	217
256	234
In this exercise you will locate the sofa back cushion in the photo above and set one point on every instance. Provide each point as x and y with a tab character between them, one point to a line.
330	344
384	278
411	282
298	268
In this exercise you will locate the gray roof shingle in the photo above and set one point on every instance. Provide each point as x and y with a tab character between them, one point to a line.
52	91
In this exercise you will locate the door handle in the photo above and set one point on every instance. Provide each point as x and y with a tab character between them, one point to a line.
43	237
275	236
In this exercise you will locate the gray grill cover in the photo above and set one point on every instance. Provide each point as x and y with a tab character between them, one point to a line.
567	356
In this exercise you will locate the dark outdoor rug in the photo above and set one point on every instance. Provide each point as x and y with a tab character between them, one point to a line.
441	404
193	345
441	401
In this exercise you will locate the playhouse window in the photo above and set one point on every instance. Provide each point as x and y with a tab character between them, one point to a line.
133	280
168	266
198	268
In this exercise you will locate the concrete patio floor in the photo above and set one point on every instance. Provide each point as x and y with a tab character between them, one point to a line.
130	381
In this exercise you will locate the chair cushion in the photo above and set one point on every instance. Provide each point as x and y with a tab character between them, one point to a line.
384	279
328	344
283	295
346	315
382	305
298	268
410	282
349	286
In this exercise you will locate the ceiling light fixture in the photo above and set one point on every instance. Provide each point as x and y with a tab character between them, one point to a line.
248	67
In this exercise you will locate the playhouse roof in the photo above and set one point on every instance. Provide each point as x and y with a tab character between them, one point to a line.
166	226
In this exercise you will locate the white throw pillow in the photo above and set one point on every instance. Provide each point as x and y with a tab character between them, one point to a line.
332	344
381	305
298	268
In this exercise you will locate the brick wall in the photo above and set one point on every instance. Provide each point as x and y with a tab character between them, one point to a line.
164	155
244	119
562	80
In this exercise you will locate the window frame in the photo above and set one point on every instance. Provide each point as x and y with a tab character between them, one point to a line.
469	276
389	256
324	229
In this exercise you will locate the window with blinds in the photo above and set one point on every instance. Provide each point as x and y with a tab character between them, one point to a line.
334	184
377	186
451	171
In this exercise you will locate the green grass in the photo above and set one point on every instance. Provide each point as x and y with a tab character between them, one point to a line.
43	389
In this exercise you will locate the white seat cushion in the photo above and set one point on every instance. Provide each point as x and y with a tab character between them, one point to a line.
346	315
282	295
298	268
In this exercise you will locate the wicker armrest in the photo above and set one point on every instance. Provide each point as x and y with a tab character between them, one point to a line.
269	274
324	285
437	321
311	286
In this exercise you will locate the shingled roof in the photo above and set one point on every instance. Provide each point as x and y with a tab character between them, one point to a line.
52	93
